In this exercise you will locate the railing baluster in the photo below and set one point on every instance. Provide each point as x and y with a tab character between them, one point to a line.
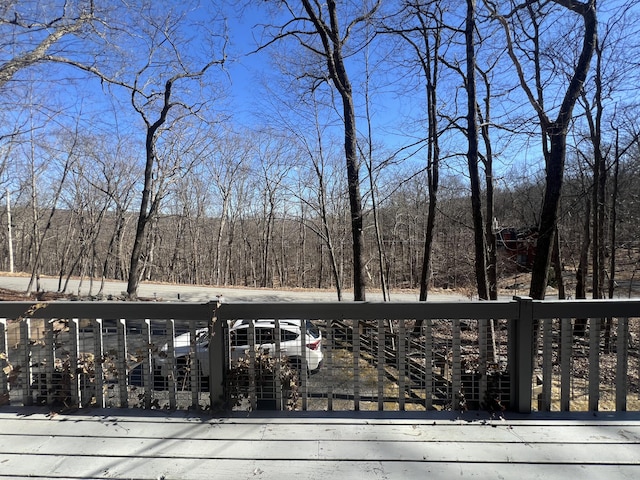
147	364
171	364
428	363
402	364
48	363
74	381
622	358
594	363
277	384
328	354
192	373
566	344
98	359
25	358
636	353
483	347
251	335
304	369
547	368
5	397
356	364
121	362
381	362
456	373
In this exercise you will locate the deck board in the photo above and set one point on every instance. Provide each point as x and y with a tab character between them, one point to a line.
231	430
152	445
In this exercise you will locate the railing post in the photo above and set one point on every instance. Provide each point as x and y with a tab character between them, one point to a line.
521	343
217	352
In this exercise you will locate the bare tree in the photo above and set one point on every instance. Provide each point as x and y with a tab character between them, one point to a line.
473	154
555	130
471	126
273	164
318	28
32	37
421	27
484	115
320	166
226	167
367	154
38	234
116	181
156	106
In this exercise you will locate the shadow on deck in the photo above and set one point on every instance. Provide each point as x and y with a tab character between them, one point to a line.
138	444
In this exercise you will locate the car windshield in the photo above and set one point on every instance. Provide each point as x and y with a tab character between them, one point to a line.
264	331
263	336
312	329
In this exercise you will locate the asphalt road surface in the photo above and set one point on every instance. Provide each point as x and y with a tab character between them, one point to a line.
191	293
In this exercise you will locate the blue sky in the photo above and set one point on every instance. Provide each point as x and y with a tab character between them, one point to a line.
253	106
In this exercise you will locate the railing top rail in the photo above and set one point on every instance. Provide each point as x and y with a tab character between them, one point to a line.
371	311
88	309
622	307
504	309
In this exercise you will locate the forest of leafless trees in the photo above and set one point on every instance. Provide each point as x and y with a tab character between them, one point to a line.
470	145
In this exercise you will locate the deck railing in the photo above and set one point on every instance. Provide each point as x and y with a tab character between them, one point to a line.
383	356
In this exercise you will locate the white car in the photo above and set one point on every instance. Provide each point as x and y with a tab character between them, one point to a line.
292	345
182	348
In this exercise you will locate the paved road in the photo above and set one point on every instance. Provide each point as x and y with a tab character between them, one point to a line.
192	293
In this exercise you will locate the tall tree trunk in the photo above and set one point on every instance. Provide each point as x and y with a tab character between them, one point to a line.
557	266
219	235
329	241
384	287
9	232
355	201
580	325
491	244
473	156
599	179
549	213
613	219
430	66
332	44
557	132
148	204
144	214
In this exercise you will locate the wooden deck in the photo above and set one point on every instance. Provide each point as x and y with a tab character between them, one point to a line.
136	444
